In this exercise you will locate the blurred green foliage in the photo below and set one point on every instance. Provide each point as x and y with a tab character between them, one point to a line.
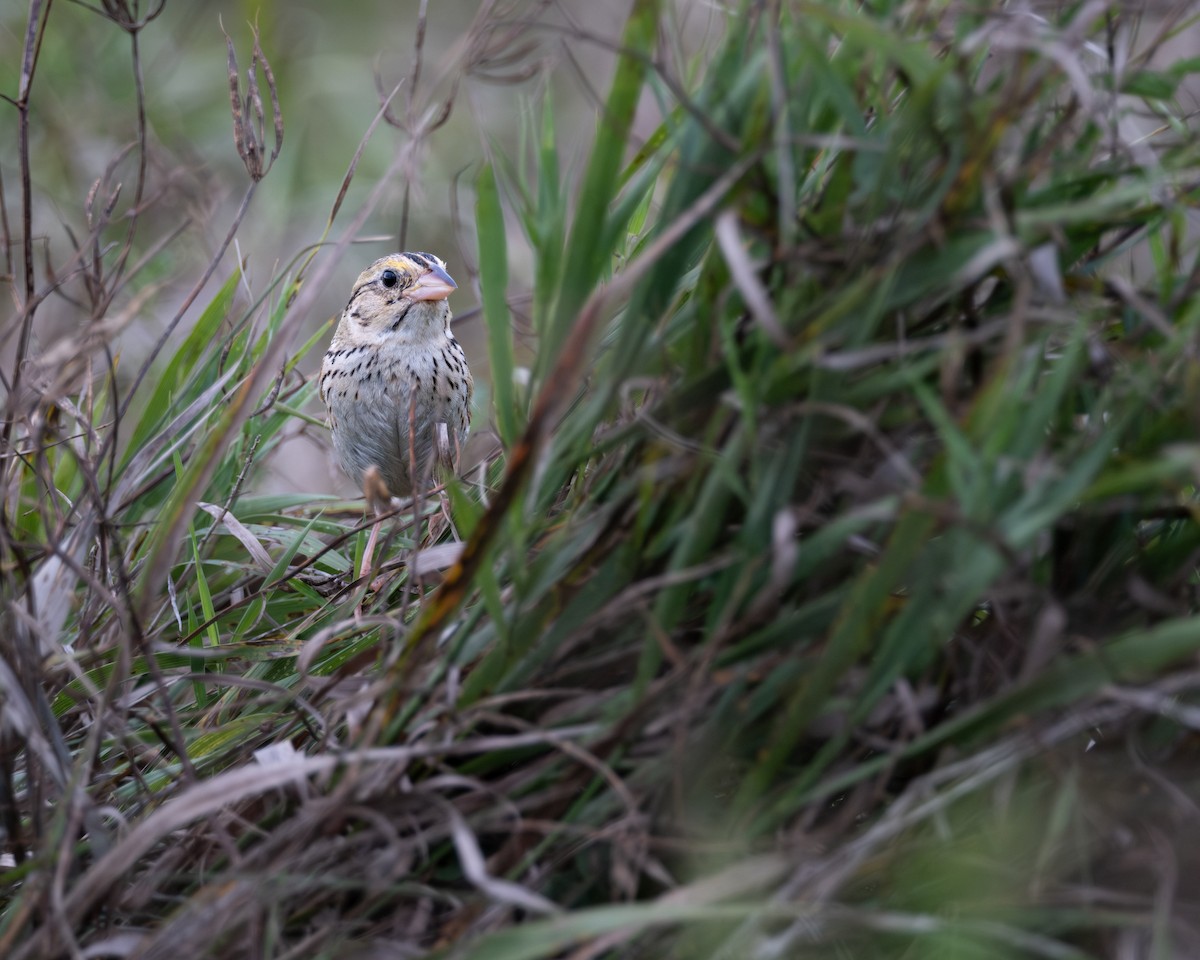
829	588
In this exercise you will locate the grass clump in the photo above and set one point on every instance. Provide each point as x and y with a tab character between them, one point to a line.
830	588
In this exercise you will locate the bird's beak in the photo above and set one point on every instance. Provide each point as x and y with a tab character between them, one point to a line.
434	285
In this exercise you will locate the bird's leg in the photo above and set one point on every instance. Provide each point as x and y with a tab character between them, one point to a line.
445	456
448	458
379	501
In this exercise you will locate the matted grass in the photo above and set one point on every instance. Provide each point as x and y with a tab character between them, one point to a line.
829	590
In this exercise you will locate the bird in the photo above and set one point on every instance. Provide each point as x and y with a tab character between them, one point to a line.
395	380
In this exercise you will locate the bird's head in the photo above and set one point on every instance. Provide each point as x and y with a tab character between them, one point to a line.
402	295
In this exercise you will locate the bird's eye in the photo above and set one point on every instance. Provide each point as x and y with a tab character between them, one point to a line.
389	278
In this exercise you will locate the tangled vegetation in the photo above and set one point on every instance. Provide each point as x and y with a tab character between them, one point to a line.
829	589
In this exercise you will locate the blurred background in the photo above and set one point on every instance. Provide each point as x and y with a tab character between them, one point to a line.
330	63
891	595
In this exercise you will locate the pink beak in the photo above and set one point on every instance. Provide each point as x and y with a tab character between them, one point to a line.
434	285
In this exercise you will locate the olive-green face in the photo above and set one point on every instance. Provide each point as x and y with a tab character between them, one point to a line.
403	294
407	276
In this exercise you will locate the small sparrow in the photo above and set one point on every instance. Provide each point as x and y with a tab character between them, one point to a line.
394	378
